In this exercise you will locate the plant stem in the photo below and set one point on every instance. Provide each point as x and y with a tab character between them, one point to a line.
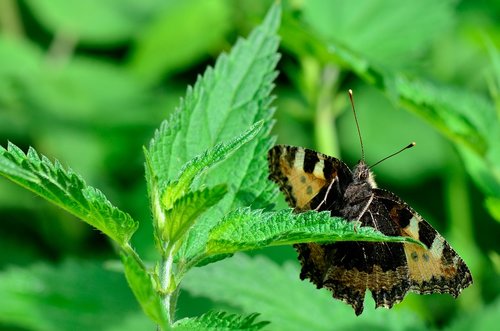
61	48
10	21
168	289
461	228
319	84
326	132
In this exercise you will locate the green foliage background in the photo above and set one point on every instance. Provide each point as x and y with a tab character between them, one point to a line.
87	83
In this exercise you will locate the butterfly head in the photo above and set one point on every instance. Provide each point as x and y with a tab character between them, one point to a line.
363	175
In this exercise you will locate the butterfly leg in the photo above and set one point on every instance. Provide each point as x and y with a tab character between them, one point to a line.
325	198
357	222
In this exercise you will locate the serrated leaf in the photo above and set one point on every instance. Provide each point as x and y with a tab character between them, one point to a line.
465	118
185	211
67	190
142	285
222	104
462	116
246	229
199	164
72	295
290	304
10	168
220	321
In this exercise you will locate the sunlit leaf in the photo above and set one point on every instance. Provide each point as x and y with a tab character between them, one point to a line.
245	229
67	190
224	102
198	165
220	321
185	211
141	283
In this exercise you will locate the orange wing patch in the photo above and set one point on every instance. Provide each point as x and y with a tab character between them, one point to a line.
435	269
288	167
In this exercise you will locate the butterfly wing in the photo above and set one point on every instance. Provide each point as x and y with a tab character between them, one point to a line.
435	269
312	180
353	267
304	176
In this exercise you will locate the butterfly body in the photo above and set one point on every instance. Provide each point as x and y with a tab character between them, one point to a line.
314	181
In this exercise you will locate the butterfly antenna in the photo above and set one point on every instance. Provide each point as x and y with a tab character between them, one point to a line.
402	149
357	125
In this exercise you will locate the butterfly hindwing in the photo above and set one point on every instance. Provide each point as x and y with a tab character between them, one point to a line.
380	267
437	269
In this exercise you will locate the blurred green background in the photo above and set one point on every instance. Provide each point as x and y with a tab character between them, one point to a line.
87	82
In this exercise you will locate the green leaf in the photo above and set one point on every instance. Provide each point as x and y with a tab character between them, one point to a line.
223	103
67	190
493	206
171	41
397	31
282	298
246	229
142	284
72	295
220	321
198	165
431	154
186	210
95	22
467	119
464	117
11	169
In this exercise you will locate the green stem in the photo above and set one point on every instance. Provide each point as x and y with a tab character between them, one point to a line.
10	21
319	84
166	277
461	229
325	130
61	48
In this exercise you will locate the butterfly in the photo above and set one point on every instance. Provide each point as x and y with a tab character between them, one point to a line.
314	181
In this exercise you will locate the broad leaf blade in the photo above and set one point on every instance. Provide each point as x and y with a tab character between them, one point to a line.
282	298
464	117
67	190
220	321
141	283
222	104
245	229
199	164
181	217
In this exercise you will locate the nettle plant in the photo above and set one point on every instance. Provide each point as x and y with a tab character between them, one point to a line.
201	212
